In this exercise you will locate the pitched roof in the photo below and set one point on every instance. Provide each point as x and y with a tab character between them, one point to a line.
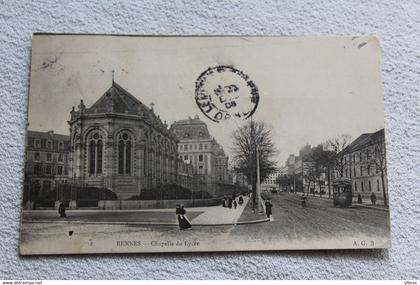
118	100
47	135
364	140
192	128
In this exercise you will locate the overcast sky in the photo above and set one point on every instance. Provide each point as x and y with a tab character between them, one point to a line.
311	88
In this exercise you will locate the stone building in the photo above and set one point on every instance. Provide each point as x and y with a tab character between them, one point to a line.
46	165
198	147
270	183
120	144
365	164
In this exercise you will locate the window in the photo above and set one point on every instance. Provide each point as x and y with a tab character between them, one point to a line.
37	156
195	147
355	186
200	147
368	170
361	170
345	160
367	154
46	185
377	185
49	156
48	169
95	153
37	169
190	146
354	172
200	169
360	156
370	187
60	145
185	147
200	158
361	184
60	157
124	153
346	172
354	159
59	170
49	144
38	143
185	157
205	146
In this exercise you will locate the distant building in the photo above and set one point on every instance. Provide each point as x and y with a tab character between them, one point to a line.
365	164
270	183
198	147
46	165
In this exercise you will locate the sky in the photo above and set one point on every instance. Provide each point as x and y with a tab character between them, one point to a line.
311	88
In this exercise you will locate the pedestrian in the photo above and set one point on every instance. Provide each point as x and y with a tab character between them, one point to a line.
268	207
373	198
230	202
224	204
183	221
62	210
235	204
241	200
359	199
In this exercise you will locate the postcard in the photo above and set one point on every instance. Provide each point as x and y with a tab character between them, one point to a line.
144	144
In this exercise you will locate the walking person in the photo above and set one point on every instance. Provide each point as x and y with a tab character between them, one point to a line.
373	198
240	200
268	207
62	210
235	204
359	199
183	222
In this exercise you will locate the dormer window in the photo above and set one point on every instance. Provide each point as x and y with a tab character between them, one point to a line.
186	135
49	144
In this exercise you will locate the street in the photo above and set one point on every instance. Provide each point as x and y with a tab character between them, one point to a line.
319	225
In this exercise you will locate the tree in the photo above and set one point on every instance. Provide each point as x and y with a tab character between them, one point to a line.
380	161
323	161
246	140
337	145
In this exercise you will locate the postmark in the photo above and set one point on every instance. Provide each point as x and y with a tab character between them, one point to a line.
224	92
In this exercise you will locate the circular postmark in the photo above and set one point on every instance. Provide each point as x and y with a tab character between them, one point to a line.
224	92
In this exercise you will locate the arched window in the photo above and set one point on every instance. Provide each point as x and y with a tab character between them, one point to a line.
124	153
95	142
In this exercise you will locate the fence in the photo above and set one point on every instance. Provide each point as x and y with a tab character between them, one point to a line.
155	204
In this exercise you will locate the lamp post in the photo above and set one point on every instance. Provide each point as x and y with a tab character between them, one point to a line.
258	182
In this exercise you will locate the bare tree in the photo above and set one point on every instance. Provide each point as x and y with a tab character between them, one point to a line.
380	161
245	142
324	162
337	145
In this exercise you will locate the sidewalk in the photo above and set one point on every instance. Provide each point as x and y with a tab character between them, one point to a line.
354	202
200	216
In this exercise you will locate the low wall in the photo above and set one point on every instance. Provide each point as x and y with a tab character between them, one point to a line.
155	204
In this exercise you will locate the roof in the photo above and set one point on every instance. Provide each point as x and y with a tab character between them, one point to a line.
365	140
118	100
47	135
191	128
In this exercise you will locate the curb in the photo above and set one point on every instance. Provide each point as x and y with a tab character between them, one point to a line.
354	205
142	223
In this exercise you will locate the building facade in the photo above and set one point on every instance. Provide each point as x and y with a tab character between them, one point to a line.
197	147
270	183
365	165
46	166
120	144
